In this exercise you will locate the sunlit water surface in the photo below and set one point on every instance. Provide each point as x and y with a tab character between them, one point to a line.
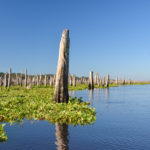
123	123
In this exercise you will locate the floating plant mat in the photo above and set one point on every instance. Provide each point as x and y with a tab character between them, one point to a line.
18	103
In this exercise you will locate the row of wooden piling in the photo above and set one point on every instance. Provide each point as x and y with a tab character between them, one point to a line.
26	80
105	81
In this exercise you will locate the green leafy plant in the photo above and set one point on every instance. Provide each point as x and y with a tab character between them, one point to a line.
3	136
17	104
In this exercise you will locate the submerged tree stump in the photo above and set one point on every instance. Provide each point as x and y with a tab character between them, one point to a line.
91	83
61	86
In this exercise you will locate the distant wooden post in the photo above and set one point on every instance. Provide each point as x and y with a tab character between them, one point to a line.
9	78
37	80
98	82
29	83
104	81
40	79
74	80
96	79
6	80
123	82
0	81
70	80
45	81
26	73
61	85
91	83
21	79
107	81
117	80
17	79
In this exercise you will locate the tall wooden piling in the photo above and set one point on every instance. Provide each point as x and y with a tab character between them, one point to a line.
26	73
61	85
45	81
37	80
9	78
107	81
74	80
116	80
6	80
96	79
91	83
70	80
1	83
21	79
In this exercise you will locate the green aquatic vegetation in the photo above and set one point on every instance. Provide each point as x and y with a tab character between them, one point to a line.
3	136
78	87
17	104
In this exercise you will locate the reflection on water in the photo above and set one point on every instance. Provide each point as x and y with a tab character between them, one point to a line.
91	97
62	136
97	93
73	93
107	93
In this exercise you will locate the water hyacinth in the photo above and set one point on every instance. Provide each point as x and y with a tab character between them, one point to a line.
18	103
3	136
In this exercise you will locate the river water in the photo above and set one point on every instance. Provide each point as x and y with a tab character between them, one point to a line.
122	123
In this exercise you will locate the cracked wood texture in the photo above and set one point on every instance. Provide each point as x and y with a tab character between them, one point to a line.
61	86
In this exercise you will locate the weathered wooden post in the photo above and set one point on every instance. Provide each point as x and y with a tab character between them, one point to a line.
6	80
103	81
26	73
62	136
51	82
9	78
123	82
0	81
17	79
74	80
33	81
37	80
21	79
91	83
96	79
40	79
107	81
29	83
45	81
98	82
116	80
70	80
61	85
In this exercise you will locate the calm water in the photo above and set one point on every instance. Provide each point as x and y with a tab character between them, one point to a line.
123	123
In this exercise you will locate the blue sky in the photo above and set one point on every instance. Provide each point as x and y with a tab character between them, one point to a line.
107	36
